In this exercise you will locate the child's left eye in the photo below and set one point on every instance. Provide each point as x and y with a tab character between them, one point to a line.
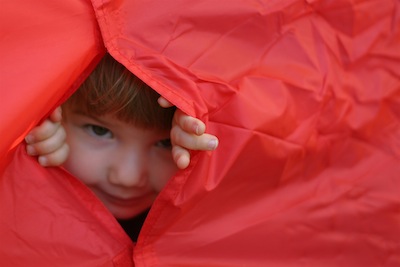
165	143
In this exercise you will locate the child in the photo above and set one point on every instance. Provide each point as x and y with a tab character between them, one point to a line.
118	139
47	141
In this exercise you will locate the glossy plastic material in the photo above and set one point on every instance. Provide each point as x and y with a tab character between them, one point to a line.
303	95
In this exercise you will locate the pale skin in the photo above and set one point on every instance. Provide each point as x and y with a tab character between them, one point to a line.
124	165
48	140
115	159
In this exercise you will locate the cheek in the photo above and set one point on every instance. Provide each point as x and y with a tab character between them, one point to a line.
81	163
161	174
76	165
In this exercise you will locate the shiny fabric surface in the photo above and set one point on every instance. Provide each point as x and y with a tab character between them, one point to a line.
303	95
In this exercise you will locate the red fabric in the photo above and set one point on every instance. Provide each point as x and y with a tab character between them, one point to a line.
49	218
303	95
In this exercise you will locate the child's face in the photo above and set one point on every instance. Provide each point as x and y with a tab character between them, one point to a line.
125	166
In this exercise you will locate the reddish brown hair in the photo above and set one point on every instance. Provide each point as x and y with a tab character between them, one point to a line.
112	89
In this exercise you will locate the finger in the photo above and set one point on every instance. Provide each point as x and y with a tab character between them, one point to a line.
191	141
164	102
48	145
188	123
56	115
181	157
42	132
57	158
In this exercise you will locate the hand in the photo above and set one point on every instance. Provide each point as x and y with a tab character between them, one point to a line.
187	133
47	141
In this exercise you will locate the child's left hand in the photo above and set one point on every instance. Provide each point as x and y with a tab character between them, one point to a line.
187	133
47	141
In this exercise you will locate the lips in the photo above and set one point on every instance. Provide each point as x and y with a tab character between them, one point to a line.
120	200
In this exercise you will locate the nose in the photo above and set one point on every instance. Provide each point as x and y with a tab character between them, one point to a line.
128	170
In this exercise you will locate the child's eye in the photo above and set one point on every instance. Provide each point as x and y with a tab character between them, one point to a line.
165	143
98	131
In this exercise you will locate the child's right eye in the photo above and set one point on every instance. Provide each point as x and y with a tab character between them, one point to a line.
98	131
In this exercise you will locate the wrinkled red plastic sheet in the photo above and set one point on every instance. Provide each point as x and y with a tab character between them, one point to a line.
303	95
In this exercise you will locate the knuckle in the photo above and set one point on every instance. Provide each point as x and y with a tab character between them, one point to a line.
176	137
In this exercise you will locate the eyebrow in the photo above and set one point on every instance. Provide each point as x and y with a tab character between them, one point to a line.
86	114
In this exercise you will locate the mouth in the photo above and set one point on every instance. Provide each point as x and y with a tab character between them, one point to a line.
121	200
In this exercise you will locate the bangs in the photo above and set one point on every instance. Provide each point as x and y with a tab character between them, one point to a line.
112	89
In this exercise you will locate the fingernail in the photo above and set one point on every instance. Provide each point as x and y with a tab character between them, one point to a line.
196	129
29	139
30	150
212	144
42	161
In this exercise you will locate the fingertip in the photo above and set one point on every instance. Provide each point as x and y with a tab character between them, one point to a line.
181	157
31	150
43	161
213	144
183	162
164	102
192	125
56	115
199	129
29	139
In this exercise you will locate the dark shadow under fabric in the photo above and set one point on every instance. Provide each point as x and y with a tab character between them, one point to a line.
132	226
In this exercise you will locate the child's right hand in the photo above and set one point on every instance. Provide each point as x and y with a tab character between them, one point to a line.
47	141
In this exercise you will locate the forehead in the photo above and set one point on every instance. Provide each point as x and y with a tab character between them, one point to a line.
140	112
